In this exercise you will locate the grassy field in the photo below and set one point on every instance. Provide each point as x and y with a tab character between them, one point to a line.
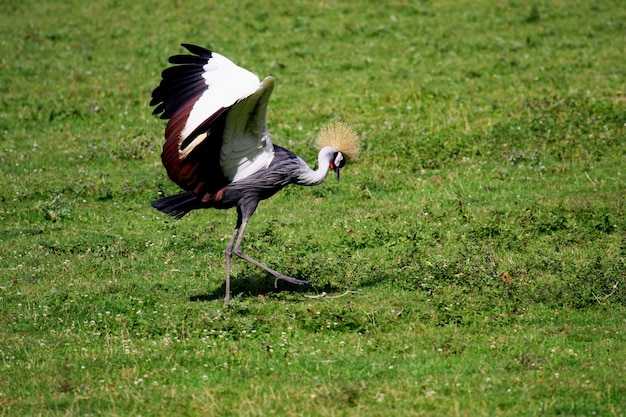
471	262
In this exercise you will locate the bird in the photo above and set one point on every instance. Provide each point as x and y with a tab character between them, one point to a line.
218	149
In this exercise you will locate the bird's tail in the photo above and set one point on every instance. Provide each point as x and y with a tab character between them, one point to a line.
177	205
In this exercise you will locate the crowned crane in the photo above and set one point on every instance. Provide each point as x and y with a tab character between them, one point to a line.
218	149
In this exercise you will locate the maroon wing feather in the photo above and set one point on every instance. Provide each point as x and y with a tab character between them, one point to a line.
180	88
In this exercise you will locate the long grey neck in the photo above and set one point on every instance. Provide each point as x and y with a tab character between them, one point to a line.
309	176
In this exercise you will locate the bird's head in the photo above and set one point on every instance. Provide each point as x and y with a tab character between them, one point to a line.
341	142
336	163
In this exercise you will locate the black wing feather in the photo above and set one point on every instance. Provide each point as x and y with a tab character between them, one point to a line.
198	50
187	60
181	83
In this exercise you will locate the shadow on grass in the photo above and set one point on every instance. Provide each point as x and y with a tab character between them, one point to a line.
251	287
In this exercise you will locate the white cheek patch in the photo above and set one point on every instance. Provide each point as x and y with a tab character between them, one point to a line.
339	162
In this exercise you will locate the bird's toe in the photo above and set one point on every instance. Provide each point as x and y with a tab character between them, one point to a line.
289	279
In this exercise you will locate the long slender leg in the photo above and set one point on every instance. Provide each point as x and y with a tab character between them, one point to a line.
276	274
228	254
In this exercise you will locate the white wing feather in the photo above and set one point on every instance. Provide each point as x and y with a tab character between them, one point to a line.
246	145
226	84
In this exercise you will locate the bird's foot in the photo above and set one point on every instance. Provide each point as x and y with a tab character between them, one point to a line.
289	279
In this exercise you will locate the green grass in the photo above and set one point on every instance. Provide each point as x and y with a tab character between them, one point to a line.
472	262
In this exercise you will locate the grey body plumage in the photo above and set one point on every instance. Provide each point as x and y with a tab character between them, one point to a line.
286	168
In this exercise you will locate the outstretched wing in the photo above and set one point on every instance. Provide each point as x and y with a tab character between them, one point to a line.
246	144
216	131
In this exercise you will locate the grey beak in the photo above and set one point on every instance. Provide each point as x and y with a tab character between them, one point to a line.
336	169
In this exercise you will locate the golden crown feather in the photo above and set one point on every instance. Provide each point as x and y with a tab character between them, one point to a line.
340	136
